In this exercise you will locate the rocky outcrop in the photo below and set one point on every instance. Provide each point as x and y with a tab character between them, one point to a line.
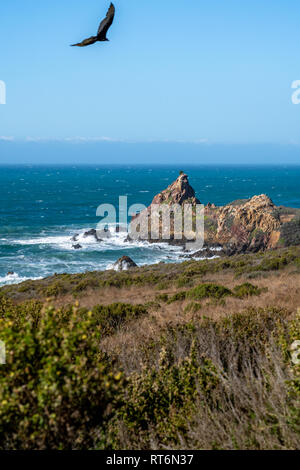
246	225
123	264
249	225
179	192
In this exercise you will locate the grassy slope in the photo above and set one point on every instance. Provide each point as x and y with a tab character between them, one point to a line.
202	348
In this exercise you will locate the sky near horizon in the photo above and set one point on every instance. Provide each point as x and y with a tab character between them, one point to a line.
193	71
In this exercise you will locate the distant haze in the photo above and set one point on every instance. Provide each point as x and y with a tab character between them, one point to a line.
107	153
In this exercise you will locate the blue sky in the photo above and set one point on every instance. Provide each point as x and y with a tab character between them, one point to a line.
193	71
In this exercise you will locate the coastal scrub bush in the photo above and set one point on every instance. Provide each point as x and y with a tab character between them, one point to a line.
56	386
111	317
159	402
29	310
55	289
273	264
203	291
85	284
246	290
127	280
208	290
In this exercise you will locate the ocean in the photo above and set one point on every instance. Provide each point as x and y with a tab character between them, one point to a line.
42	207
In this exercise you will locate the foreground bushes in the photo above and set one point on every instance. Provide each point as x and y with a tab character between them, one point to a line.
56	385
217	385
229	384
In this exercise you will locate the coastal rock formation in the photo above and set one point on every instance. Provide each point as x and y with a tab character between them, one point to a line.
179	192
123	264
249	225
245	225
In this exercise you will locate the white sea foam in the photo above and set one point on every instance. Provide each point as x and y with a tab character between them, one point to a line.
57	253
15	279
114	241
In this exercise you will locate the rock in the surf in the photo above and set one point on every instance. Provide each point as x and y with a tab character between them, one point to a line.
93	233
123	264
77	247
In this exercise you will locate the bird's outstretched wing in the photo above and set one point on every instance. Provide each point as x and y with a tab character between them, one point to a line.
107	22
87	42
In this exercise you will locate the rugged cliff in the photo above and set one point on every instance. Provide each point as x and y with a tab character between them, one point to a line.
240	226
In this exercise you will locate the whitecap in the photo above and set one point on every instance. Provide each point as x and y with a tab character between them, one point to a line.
10	279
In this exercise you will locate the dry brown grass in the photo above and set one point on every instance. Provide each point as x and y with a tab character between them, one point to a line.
283	291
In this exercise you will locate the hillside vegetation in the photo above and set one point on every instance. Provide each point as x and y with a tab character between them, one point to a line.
198	355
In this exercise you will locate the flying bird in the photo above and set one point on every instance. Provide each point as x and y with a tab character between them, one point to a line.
102	31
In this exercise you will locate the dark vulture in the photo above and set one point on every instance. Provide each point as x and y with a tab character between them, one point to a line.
102	31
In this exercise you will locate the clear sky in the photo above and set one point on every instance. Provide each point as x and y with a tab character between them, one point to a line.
196	71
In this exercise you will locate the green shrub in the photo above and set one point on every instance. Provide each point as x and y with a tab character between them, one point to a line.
273	264
85	284
56	385
208	290
55	289
163	399
111	317
246	290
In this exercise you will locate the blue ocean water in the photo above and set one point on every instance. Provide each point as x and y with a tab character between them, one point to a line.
41	208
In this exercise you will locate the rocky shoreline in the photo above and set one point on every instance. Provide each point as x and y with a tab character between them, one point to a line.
242	226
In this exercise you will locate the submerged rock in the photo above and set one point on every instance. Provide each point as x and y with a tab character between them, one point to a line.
90	233
93	233
124	263
10	273
77	247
